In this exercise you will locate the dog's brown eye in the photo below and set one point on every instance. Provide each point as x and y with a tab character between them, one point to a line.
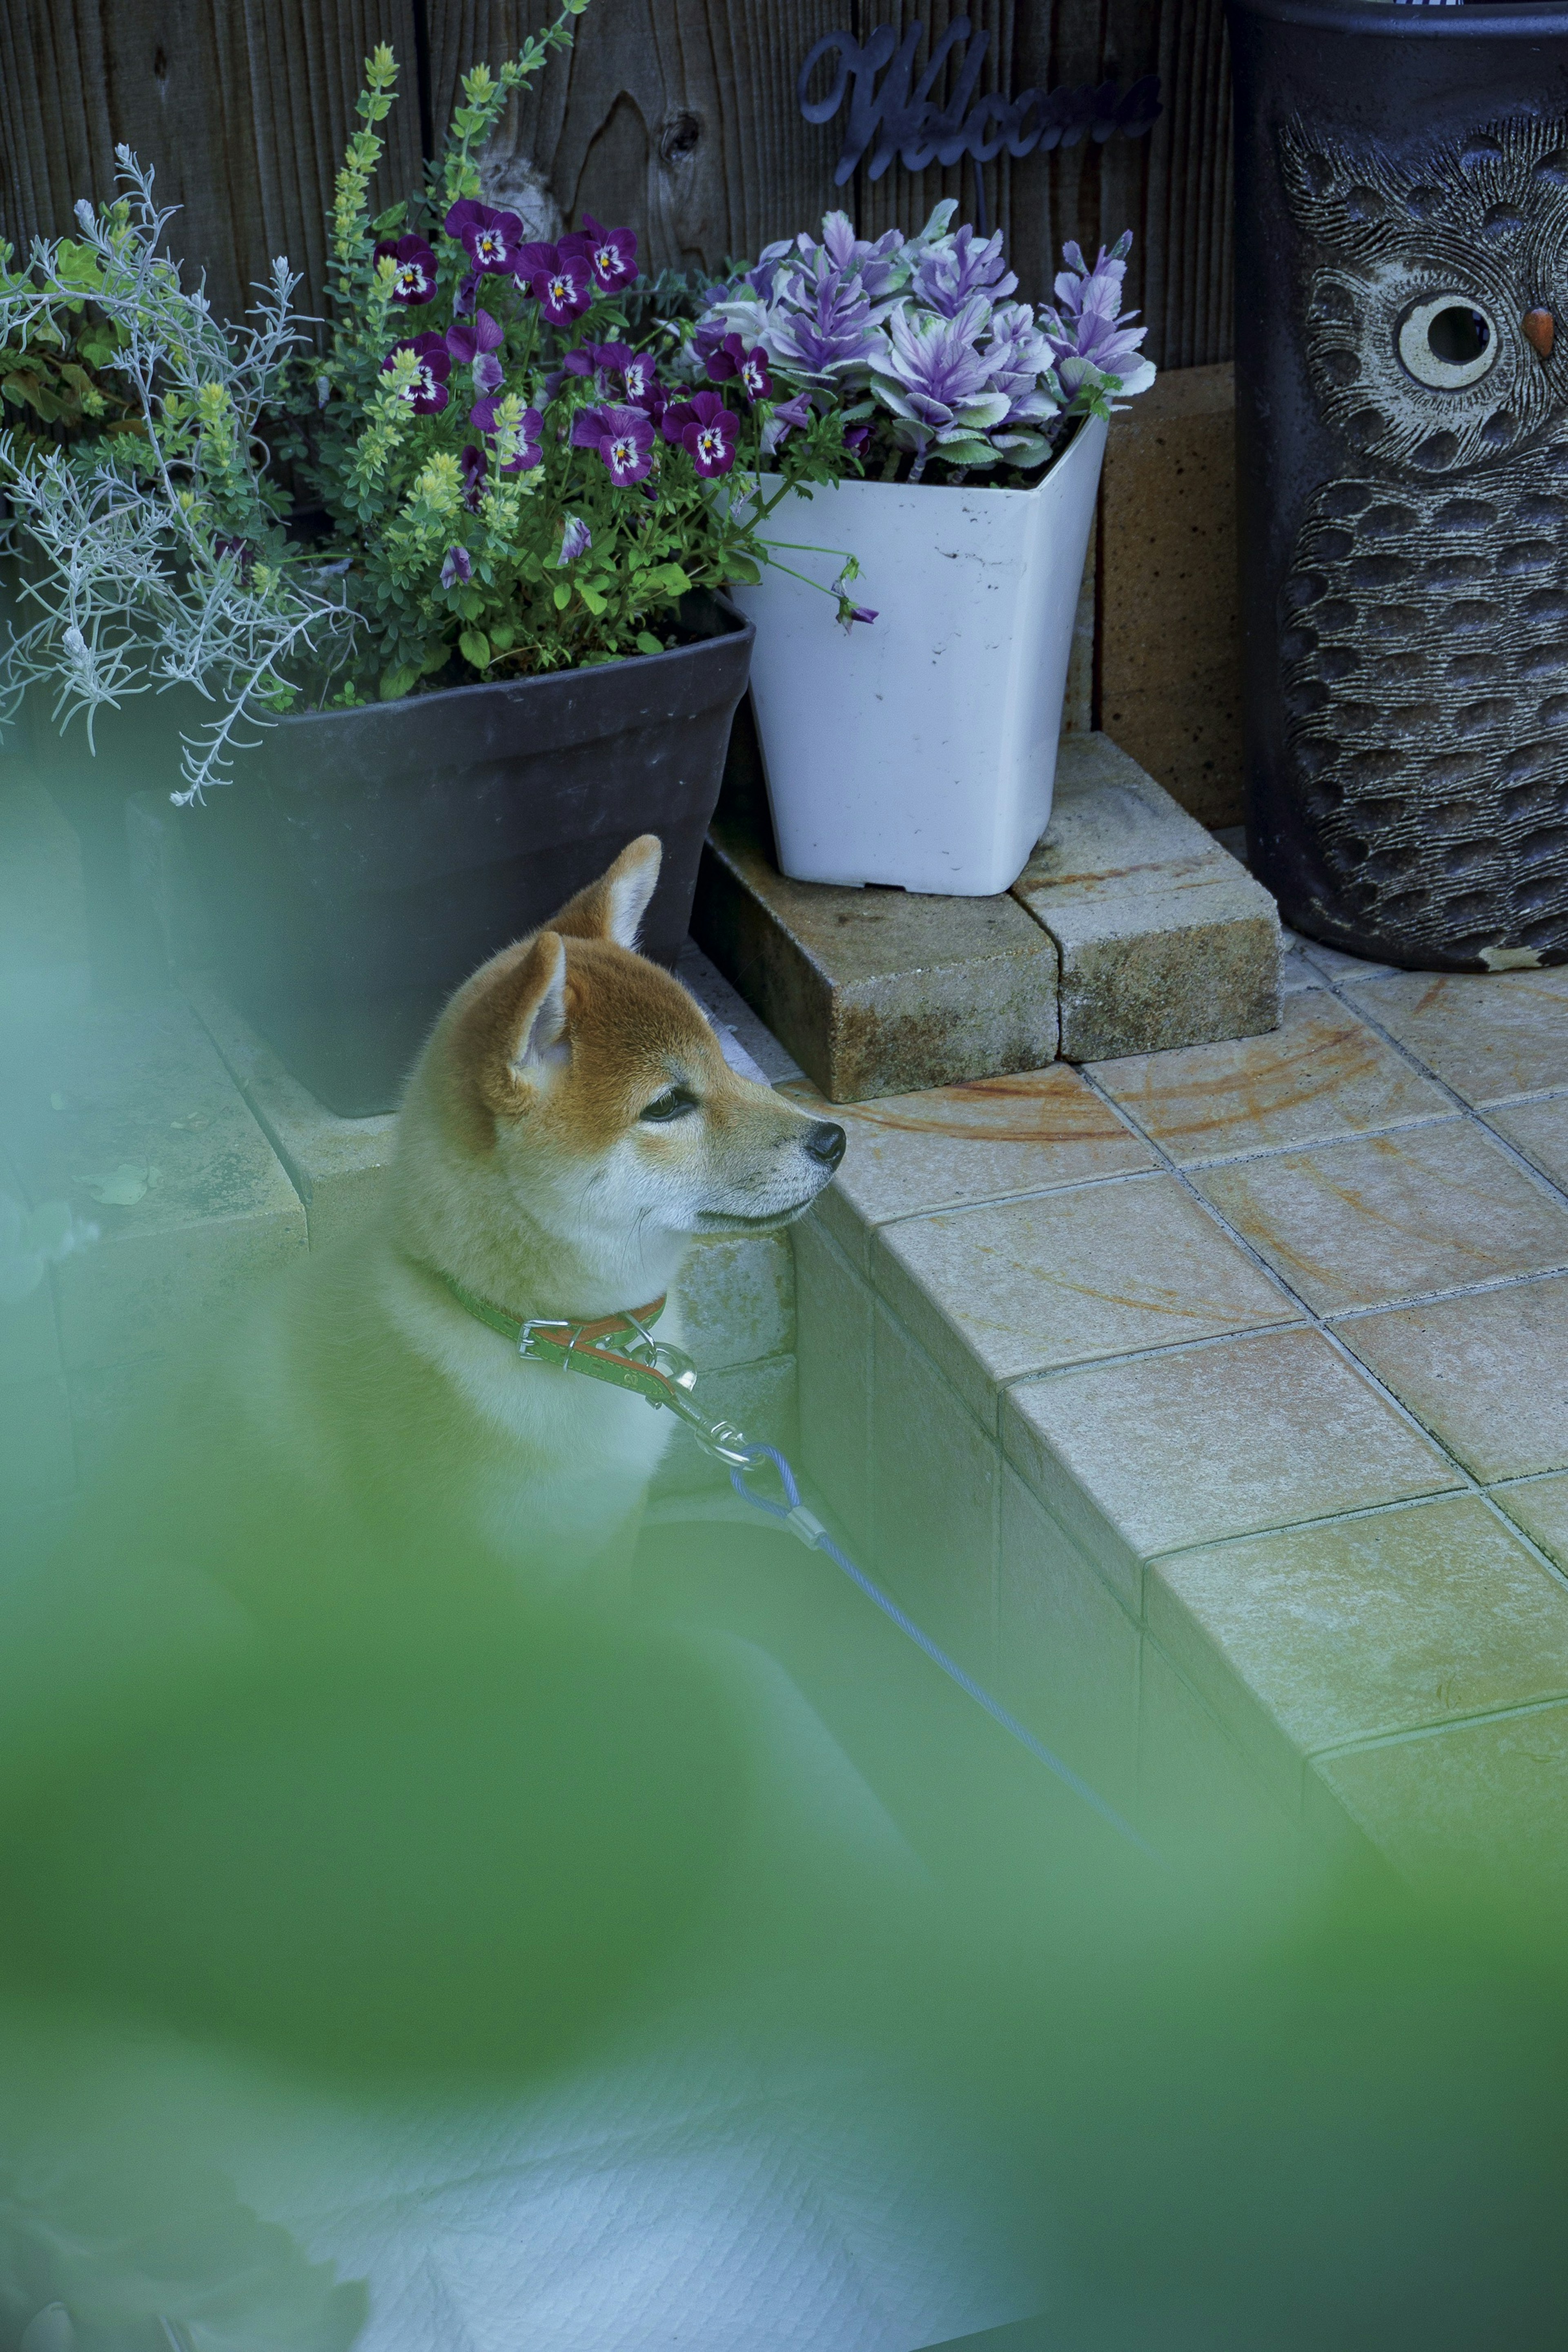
676	1103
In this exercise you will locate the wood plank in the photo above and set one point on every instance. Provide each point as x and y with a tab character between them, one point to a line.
242	108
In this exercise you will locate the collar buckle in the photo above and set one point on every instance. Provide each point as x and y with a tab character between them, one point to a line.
539	1323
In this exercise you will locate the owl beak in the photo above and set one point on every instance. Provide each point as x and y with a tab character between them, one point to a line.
1539	331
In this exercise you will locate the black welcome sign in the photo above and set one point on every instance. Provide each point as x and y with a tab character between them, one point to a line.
893	119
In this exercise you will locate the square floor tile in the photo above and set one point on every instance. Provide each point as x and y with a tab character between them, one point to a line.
1322	1073
1474	1810
1488	1037
1539	1129
1357	1223
1020	1286
1318	1637
1331	963
1487	1372
1540	1508
1067	1652
935	1474
1225	1440
978	1141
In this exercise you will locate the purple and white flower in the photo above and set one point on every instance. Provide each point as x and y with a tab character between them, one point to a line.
576	539
489	238
611	253
1091	335
474	343
427	394
564	291
458	566
622	438
951	271
751	367
413	268
529	452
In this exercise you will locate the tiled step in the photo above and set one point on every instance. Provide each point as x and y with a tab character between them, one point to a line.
1214	1405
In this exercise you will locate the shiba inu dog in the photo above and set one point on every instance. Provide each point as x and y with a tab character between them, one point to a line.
570	1131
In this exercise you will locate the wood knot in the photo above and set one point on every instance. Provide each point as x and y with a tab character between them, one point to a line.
679	135
1539	331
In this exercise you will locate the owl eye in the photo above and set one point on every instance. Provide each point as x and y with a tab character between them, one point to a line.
1446	342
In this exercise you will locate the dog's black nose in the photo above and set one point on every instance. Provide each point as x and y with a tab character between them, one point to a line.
825	1143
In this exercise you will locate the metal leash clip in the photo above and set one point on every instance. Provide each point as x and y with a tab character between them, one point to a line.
721	1440
659	1356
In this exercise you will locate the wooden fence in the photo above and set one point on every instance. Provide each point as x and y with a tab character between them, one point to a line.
678	116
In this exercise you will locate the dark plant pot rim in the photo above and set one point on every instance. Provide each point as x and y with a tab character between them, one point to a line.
736	625
1483	21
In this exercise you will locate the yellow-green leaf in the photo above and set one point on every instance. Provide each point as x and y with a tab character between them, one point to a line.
561	596
475	647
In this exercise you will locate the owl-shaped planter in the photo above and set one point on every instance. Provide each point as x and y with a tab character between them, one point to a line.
1402	388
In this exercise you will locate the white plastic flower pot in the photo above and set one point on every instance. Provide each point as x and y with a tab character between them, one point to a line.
921	749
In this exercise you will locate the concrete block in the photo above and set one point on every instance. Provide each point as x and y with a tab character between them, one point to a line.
936	1476
833	1348
737	1300
877	992
1163	939
125	1110
1170	637
336	1165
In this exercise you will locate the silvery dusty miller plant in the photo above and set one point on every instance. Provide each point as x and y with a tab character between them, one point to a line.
917	346
157	557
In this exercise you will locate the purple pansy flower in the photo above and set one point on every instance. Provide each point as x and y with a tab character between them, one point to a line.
413	268
576	539
640	378
707	429
458	566
622	438
428	394
859	613
789	416
473	465
611	253
530	259
564	291
856	437
529	453
489	238
242	554
732	359
475	343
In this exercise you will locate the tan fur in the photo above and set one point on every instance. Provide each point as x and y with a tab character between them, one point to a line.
523	1169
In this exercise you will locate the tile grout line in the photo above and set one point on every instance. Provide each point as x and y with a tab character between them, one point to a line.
1464	1474
1406	1736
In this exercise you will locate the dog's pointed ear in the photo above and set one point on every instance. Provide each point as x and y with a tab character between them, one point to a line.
613	906
513	1036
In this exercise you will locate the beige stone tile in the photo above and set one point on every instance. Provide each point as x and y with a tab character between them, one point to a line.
37	1463
935	1474
1066	1651
1333	963
737	1299
1476	1810
1311	1638
759	1399
1020	1286
1539	1129
141	1086
1322	1073
1488	1037
1226	1440
978	1141
1356	1223
834	1307
1486	1372
1540	1508
1198	1792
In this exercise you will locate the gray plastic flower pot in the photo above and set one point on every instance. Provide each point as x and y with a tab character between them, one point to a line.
365	862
